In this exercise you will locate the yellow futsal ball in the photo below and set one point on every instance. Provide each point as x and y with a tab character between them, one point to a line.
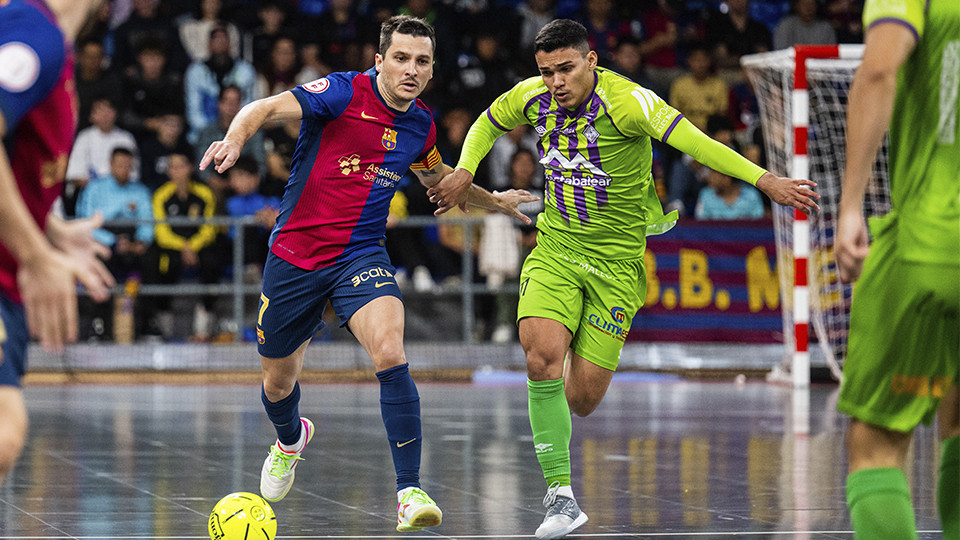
242	516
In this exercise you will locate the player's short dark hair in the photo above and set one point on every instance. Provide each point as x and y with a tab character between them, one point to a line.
248	165
154	45
120	151
408	25
562	34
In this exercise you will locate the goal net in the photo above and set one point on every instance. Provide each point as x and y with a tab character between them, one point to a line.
804	121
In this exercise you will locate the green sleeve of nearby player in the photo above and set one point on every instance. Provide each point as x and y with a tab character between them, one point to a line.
910	12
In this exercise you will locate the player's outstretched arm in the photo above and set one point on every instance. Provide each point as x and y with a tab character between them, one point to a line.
868	117
223	154
45	277
505	202
719	157
453	190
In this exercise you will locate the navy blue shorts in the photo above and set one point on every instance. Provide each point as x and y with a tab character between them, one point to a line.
293	299
14	361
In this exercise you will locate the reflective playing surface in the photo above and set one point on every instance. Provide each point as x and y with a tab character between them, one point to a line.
661	457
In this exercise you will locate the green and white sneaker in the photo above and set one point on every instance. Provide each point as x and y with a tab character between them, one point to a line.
563	515
416	510
276	476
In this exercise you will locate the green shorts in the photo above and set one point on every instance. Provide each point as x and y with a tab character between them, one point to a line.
904	343
595	299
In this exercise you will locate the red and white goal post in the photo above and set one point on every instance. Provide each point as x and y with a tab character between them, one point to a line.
802	94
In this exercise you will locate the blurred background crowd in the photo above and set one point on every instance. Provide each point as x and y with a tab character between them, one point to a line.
159	81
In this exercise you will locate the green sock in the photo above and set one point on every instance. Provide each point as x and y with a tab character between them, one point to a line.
948	489
550	422
880	506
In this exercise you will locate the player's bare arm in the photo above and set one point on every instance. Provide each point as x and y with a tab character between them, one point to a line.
46	277
793	192
868	117
452	190
505	202
223	154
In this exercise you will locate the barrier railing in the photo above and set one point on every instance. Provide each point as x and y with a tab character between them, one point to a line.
238	290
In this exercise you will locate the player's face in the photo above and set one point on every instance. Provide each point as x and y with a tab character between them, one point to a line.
405	69
568	74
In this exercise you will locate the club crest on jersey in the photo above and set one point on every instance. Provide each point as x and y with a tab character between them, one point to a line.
318	86
591	133
389	139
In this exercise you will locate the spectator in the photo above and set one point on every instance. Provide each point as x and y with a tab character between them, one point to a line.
455	124
247	201
803	26
156	149
93	80
146	24
228	105
728	198
272	19
699	94
501	156
658	47
179	247
482	76
151	91
686	174
92	152
346	39
279	143
846	18
195	31
117	197
604	28
628	61
204	82
523	172
734	34
532	15
313	67
280	71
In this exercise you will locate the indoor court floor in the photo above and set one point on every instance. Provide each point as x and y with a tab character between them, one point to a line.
662	457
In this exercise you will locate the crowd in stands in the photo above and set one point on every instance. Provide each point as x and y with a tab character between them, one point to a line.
159	81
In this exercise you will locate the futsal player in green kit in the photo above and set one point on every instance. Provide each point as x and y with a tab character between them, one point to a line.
585	280
904	344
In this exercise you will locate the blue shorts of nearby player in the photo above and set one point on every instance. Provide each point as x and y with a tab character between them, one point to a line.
14	361
293	299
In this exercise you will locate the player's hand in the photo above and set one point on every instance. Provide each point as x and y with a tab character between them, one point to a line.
48	290
852	242
451	191
508	201
75	239
223	154
790	192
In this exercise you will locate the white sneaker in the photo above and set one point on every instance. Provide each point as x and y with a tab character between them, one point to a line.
276	476
563	515
416	510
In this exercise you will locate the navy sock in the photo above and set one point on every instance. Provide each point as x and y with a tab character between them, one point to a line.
285	415
400	409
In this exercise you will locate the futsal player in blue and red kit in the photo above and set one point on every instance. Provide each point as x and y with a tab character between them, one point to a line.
41	257
360	133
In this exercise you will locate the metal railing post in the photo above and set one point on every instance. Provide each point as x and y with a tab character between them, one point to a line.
467	285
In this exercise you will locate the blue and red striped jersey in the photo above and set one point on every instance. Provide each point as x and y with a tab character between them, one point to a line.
37	100
352	151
